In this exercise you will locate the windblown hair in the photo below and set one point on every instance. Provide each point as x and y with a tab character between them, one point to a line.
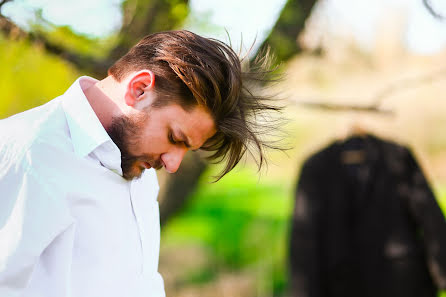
192	70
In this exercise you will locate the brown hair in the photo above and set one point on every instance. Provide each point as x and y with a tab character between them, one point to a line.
193	70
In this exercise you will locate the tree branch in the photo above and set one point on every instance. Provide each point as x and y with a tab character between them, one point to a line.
85	63
390	89
345	107
3	2
428	5
378	98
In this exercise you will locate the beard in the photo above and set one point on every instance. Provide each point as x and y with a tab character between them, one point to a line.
126	133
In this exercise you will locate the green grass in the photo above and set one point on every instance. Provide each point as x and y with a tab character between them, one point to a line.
440	194
242	221
245	224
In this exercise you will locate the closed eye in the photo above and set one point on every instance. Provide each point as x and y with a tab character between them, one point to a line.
176	141
171	139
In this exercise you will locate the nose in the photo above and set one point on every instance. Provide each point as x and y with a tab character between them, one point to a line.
173	158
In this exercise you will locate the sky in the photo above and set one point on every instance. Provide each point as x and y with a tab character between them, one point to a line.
91	17
426	33
245	20
251	20
364	19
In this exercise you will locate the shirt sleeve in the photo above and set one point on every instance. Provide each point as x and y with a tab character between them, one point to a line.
31	218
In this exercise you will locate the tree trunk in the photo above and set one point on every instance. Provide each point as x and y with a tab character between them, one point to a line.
283	37
149	16
176	188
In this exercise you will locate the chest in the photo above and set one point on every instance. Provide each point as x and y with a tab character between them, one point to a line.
116	222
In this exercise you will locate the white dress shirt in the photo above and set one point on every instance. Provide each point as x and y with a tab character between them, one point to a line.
70	225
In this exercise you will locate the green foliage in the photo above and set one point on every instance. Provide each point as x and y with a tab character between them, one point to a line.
145	17
81	44
29	76
440	194
164	14
242	221
245	225
178	11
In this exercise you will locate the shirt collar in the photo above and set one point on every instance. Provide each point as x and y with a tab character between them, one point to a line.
87	132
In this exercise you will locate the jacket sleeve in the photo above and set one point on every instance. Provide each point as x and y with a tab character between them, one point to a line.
429	218
30	219
305	267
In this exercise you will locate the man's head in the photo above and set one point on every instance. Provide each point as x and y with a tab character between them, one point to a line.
193	94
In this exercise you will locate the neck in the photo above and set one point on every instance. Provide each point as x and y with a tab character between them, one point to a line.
103	98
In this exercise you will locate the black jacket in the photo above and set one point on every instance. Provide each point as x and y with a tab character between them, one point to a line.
366	224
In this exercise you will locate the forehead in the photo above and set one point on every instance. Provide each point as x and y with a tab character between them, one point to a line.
195	123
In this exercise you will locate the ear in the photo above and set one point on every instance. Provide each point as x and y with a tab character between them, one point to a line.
138	85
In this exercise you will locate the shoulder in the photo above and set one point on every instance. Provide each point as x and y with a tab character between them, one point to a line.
328	155
27	146
30	142
28	136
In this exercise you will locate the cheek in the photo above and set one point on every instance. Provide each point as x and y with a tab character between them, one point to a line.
151	142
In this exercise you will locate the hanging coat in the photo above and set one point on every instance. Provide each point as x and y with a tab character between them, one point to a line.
366	224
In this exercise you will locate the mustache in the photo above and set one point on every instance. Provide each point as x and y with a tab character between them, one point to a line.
154	163
157	165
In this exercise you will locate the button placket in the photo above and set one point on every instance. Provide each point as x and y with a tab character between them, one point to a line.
135	207
152	237
146	211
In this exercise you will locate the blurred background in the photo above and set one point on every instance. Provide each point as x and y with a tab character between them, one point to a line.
371	65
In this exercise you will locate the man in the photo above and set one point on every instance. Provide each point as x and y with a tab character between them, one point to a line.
78	209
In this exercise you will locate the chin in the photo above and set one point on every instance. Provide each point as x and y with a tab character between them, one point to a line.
135	172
